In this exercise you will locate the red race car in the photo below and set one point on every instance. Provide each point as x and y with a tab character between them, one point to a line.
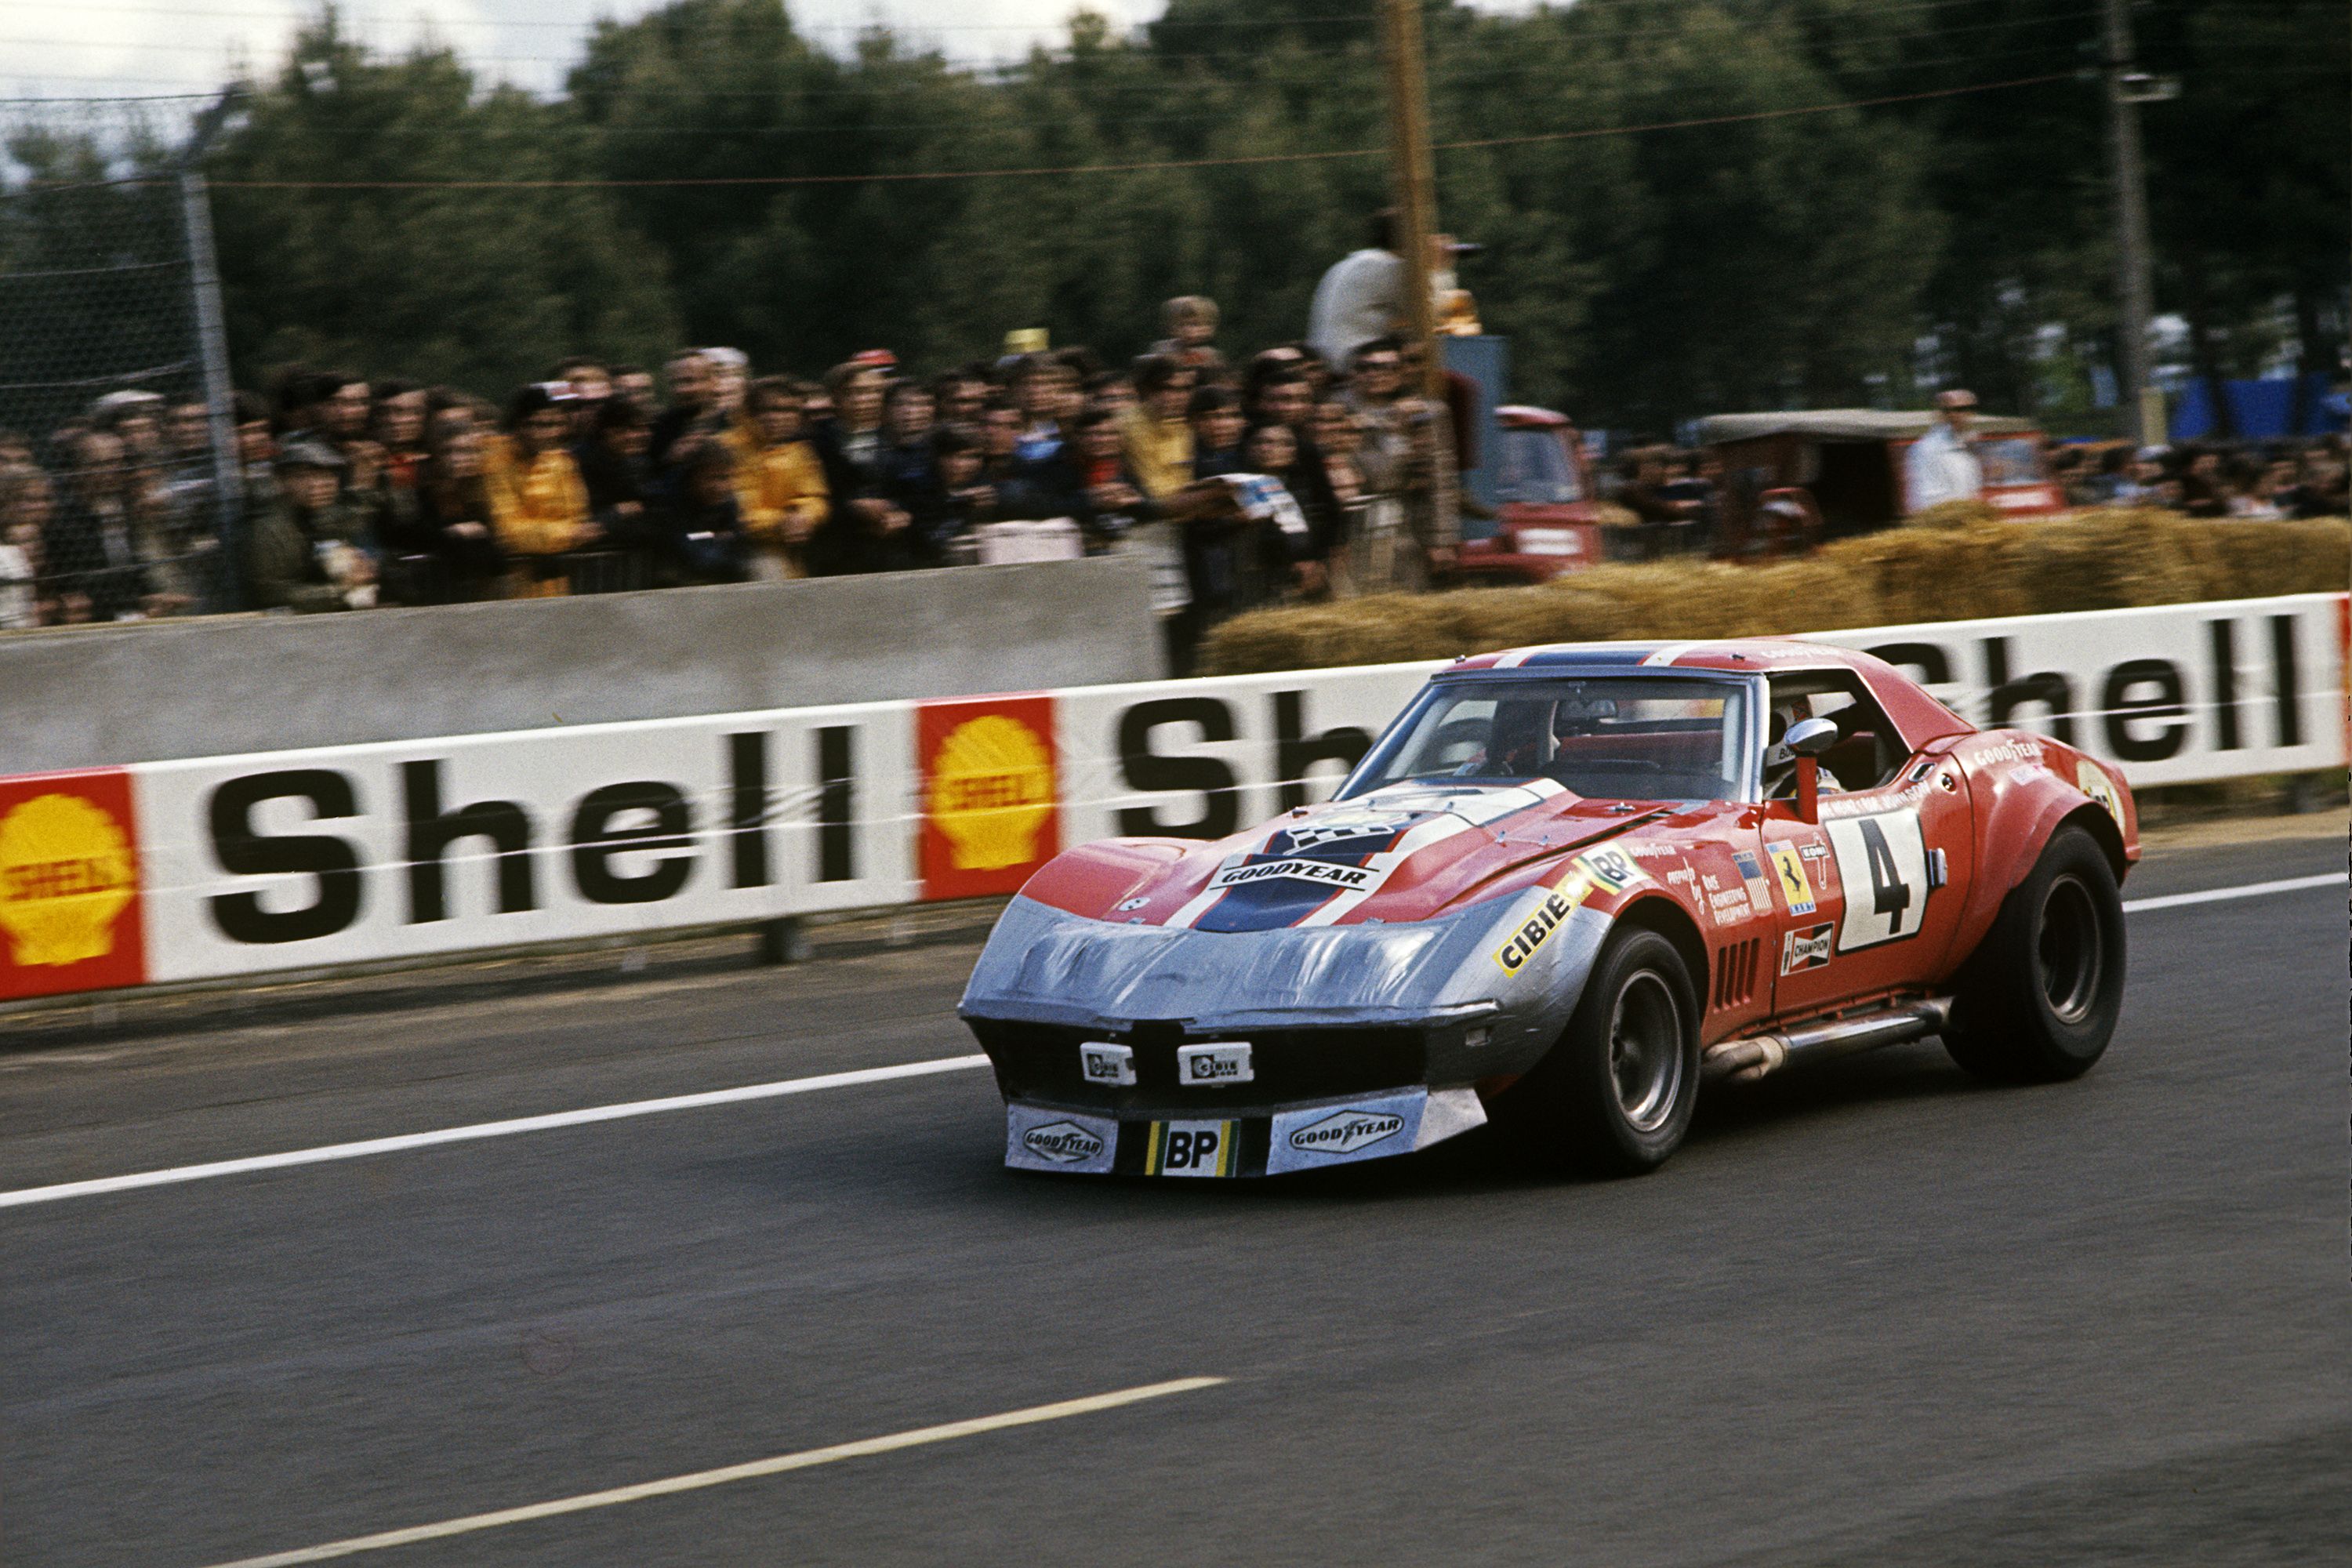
1566	886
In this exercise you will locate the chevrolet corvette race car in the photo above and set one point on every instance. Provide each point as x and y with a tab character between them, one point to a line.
1565	886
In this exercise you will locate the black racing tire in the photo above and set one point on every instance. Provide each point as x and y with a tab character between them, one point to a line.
1614	1095
2039	998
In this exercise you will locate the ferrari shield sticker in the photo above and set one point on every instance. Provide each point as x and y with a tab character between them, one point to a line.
1036	1139
1795	885
1882	859
1340	1134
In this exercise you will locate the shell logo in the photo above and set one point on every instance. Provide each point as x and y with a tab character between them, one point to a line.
991	790
65	876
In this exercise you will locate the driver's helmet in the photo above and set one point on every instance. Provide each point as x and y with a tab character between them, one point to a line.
1520	739
1777	754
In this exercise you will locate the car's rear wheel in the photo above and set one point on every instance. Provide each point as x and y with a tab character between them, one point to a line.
2039	1000
1614	1097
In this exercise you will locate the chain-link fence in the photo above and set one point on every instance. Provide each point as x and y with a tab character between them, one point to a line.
118	475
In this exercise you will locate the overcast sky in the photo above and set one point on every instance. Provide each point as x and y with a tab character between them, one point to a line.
96	47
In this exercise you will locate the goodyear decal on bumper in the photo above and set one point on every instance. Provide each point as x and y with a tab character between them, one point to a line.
1036	1139
1369	1128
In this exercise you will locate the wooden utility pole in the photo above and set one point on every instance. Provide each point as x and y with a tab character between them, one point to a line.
2143	404
1412	176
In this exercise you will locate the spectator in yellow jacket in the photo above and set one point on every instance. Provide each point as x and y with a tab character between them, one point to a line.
781	486
538	504
1154	436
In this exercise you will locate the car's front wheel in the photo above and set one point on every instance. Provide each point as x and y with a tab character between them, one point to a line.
2039	1000
1614	1097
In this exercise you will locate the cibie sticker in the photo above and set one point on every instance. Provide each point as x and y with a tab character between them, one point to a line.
1611	869
1533	931
2093	781
1324	873
1808	947
1795	885
1193	1148
1339	1134
1039	1140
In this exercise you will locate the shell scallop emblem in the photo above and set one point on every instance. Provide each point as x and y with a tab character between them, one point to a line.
66	877
992	791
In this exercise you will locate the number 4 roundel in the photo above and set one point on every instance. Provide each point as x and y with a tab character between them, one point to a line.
1882	860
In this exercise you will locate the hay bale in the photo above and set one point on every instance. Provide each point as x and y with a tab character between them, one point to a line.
1959	562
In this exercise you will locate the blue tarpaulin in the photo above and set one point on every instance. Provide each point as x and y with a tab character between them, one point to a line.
2259	410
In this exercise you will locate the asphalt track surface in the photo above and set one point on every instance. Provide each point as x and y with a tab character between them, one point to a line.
1871	1314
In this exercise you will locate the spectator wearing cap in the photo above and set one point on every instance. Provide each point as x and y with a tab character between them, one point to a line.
538	505
299	555
781	489
1940	466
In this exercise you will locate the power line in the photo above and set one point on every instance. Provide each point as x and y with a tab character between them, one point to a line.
1149	165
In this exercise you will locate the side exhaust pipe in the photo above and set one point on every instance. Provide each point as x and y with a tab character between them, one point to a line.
1748	1059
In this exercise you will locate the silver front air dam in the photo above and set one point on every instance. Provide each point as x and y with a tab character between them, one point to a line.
1379	1021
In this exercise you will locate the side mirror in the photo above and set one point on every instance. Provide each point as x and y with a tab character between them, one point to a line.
1810	737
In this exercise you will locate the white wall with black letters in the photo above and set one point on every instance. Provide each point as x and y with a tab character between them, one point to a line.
340	855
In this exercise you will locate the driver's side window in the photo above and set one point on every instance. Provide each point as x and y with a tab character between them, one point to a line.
1868	752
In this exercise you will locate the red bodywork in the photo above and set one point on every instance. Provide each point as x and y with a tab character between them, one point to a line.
1756	895
1537	539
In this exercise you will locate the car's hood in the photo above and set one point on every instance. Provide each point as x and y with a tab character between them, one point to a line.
1410	852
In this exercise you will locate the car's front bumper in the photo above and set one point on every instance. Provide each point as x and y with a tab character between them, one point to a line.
1263	1140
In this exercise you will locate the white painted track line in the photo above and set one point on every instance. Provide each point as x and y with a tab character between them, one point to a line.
329	1153
805	1459
2250	890
332	1151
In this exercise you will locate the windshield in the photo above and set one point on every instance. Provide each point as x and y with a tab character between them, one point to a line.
1533	470
1642	738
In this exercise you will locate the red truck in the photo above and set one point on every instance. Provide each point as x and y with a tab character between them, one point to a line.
1547	512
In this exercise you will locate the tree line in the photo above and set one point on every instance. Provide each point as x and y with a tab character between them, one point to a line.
1880	240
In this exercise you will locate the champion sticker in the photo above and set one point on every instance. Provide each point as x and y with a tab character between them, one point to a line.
1807	947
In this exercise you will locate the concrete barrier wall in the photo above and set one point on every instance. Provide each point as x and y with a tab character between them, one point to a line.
104	696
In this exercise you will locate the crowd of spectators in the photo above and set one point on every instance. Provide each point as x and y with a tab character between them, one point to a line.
1241	484
2279	480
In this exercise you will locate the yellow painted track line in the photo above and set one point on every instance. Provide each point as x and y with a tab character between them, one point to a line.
807	1458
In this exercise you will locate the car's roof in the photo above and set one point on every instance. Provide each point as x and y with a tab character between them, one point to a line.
1740	654
1918	715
